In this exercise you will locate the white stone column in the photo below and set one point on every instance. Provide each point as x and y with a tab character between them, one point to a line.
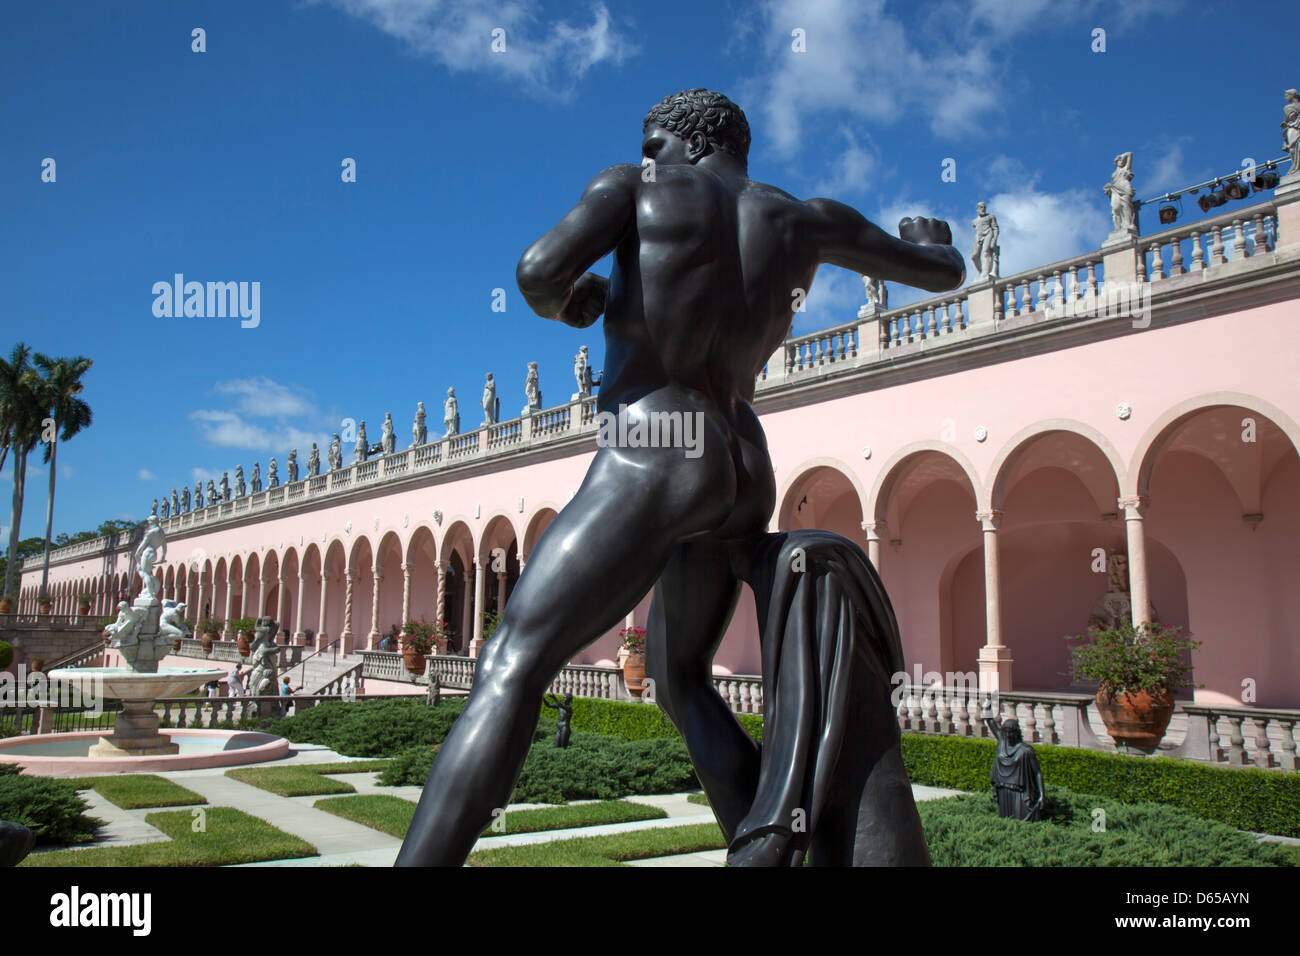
406	592
348	578
284	605
501	592
372	639
874	530
442	592
994	657
480	592
321	636
300	632
230	603
1138	586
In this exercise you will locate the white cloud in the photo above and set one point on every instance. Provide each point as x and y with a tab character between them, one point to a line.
1040	227
261	397
144	474
949	66
543	56
851	171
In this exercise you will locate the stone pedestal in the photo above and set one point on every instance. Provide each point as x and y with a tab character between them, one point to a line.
995	668
135	734
1119	256
981	305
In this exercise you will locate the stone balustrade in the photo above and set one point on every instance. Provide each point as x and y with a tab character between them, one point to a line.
1199	246
1051	718
923	321
1219	735
228	652
582	680
743	693
1070	287
386	665
836	344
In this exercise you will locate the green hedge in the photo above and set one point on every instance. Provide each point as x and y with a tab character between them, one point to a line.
631	721
593	766
1246	798
47	806
967	831
377	728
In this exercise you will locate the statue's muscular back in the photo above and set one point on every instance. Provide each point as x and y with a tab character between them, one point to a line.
702	289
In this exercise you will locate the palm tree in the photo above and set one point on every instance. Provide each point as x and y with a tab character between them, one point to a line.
20	429
58	392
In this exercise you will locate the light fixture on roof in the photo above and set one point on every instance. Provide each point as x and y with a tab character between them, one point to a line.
1169	212
1214	198
1234	188
1266	179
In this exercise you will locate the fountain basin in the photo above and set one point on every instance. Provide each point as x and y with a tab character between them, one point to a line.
68	755
125	684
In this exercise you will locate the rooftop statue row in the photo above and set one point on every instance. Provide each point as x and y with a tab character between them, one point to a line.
362	450
1123	209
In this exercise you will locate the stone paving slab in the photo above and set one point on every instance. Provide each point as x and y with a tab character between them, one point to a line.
702	858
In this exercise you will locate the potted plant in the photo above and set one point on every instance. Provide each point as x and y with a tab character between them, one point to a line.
44	603
209	630
243	627
633	641
83	604
417	641
1137	670
6	604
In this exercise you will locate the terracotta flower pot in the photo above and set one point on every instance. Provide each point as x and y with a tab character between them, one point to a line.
244	643
1137	720
83	610
413	660
206	640
634	673
6	607
44	607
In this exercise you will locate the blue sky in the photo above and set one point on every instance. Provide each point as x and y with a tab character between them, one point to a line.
225	166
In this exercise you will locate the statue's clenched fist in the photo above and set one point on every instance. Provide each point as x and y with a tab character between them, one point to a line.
923	231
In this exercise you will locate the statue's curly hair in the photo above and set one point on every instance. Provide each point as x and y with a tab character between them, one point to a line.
721	121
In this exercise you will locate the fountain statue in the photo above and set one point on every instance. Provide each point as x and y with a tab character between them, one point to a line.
143	633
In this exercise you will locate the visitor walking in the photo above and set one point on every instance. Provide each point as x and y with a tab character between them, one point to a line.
235	681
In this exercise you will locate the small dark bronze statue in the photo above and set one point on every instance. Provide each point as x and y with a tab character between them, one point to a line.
708	270
433	695
564	710
1016	777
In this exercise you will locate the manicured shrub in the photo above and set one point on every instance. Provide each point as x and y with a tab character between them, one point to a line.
381	728
591	767
47	806
966	831
6	654
1246	798
631	721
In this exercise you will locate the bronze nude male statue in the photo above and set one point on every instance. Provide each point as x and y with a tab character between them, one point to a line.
708	269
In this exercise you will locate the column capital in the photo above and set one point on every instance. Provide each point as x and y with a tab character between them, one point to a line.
302	574
989	519
1133	506
406	567
875	529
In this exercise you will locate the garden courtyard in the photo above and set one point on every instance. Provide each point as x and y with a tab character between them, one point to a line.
623	793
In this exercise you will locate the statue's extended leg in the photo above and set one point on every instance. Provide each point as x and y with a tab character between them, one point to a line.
594	563
693	602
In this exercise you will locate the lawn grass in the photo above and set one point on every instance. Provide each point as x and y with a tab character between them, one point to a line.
136	791
229	836
289	781
304	780
699	798
610	850
393	815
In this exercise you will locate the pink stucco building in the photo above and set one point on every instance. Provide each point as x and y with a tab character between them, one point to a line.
994	450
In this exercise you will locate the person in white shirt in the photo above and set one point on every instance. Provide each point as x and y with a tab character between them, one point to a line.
235	681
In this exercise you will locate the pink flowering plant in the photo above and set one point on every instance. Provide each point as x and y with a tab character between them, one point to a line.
419	636
633	639
1124	659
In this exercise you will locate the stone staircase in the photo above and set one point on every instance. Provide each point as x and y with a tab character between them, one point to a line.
319	671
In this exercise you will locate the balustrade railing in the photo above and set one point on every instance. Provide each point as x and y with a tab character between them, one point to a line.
1241	736
1198	246
458	446
836	344
505	433
923	321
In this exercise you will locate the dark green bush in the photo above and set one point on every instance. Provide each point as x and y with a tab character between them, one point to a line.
6	654
591	767
47	806
379	728
967	831
1247	798
631	721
